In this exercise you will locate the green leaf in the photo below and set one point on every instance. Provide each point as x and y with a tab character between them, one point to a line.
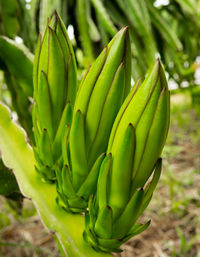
18	155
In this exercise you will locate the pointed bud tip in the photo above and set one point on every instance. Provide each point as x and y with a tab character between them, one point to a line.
55	13
106	49
67	124
159	162
122	64
158	60
108	207
57	18
125	28
110	155
157	64
160	67
124	31
164	90
79	111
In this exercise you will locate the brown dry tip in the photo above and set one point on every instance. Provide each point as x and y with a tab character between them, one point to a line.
108	207
55	13
110	154
158	60
125	27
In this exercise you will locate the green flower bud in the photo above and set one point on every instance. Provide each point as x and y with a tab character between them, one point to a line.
99	98
135	145
55	88
147	109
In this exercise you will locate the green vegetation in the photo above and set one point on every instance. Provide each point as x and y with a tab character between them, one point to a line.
84	116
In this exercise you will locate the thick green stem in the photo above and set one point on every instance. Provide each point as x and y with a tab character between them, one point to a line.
18	156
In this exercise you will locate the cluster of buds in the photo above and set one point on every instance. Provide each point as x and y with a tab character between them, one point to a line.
99	98
55	86
102	143
136	141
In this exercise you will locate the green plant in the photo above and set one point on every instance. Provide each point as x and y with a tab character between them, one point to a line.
54	65
95	136
118	203
98	101
185	244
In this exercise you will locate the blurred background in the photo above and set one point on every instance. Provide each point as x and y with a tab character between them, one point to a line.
169	29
